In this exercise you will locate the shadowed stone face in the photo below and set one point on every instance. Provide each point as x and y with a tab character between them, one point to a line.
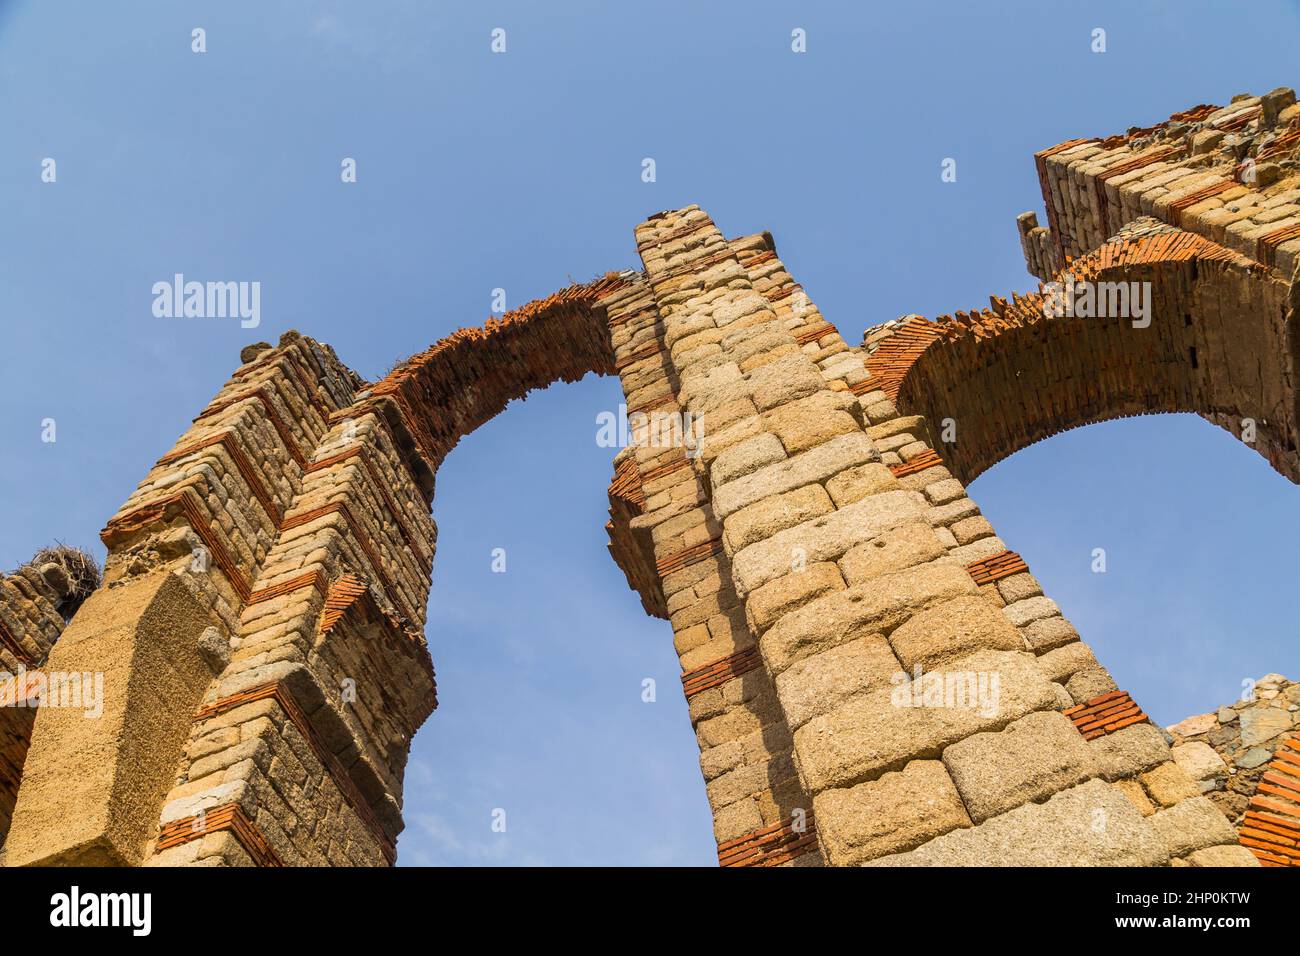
91	787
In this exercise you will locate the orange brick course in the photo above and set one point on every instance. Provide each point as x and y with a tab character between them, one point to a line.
700	679
770	846
227	817
688	556
997	567
1270	828
1105	714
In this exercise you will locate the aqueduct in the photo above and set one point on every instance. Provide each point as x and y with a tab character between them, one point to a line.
833	593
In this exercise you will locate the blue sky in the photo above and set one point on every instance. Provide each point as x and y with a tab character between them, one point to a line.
522	171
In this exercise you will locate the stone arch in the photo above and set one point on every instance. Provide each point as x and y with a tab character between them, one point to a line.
265	594
1218	343
282	554
460	382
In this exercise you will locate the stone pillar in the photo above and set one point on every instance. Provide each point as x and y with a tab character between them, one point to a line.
34	603
283	548
937	701
297	754
760	810
95	773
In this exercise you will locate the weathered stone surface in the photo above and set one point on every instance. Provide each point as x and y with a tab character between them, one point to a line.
1193	824
785	380
710	388
1200	724
813	466
1169	784
825	538
1063	831
1199	760
971	529
1254	757
810	421
979	551
1061	663
914	424
854	484
745	457
93	788
953	629
718	760
1088	683
1223	856
733	822
765	518
1262	724
953	511
1030	609
909	544
1132	789
943	492
1049	633
883	729
1129	751
820	683
897	812
1018	587
1027	761
784	594
882	604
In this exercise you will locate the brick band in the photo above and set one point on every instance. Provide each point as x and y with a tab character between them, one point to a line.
919	463
160	511
804	336
645	352
259	394
245	468
770	846
700	679
997	567
308	579
363	542
229	816
1105	714
1271	827
688	556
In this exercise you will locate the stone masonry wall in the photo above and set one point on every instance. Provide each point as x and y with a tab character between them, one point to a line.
31	620
761	814
1246	758
873	675
858	558
1227	173
303	735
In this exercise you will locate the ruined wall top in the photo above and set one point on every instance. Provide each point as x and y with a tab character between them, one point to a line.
1229	173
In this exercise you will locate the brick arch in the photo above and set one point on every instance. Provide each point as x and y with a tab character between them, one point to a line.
1218	345
463	380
